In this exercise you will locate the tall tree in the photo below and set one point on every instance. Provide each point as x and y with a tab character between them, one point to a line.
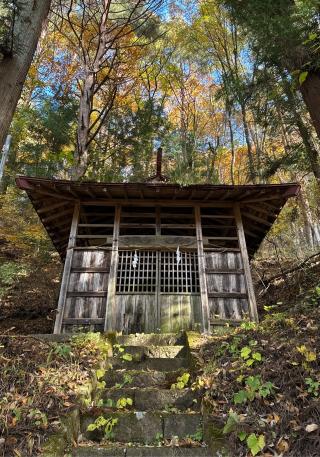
286	34
20	28
105	37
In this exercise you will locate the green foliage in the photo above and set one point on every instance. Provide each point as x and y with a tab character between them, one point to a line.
127	379
255	443
40	418
182	381
127	357
8	10
10	272
92	342
158	439
249	356
197	436
123	402
254	388
232	422
313	386
62	350
105	424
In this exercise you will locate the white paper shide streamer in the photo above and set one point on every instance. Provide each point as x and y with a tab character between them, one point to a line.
135	260
178	255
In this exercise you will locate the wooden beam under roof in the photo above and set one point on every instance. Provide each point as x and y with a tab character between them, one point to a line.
44	193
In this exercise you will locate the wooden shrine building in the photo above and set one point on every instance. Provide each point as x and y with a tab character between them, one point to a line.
154	257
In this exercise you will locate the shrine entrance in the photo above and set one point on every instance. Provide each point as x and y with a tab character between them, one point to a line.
157	290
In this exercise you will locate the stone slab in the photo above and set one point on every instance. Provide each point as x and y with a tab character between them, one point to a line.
153	399
152	339
150	364
168	452
95	451
181	424
53	338
160	352
135	427
140	378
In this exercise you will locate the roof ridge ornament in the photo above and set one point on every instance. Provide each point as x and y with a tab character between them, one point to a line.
158	177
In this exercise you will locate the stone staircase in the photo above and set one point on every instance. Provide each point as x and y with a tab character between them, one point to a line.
158	415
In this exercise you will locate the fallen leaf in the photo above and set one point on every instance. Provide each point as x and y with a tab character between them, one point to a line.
311	428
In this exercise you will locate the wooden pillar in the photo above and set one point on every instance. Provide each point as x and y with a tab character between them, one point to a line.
67	268
246	264
158	255
110	317
202	274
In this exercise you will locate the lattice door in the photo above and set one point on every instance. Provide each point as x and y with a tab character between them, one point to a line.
148	272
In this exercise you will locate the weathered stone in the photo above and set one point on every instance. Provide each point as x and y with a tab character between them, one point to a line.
54	338
213	435
181	424
168	452
142	452
90	451
137	427
140	378
115	394
152	339
151	399
160	352
150	364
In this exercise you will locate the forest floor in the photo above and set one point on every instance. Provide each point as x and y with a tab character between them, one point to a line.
262	382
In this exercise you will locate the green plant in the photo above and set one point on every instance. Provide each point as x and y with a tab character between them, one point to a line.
127	379
253	389
107	424
232	422
248	325
198	436
123	402
158	439
127	357
39	417
249	356
309	355
118	349
182	381
62	350
9	272
255	443
313	386
92	343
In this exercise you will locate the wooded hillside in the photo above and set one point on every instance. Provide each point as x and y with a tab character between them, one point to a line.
230	90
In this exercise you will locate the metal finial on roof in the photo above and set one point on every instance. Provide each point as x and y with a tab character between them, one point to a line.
158	177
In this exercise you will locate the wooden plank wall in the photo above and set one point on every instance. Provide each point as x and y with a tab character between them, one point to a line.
87	291
226	285
138	313
180	312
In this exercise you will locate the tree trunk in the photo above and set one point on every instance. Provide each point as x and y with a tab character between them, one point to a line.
310	91
310	234
252	174
84	122
13	69
311	151
233	156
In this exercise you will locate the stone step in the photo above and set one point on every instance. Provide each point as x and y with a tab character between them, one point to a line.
150	451
154	352
157	364
141	378
152	339
147	399
143	427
